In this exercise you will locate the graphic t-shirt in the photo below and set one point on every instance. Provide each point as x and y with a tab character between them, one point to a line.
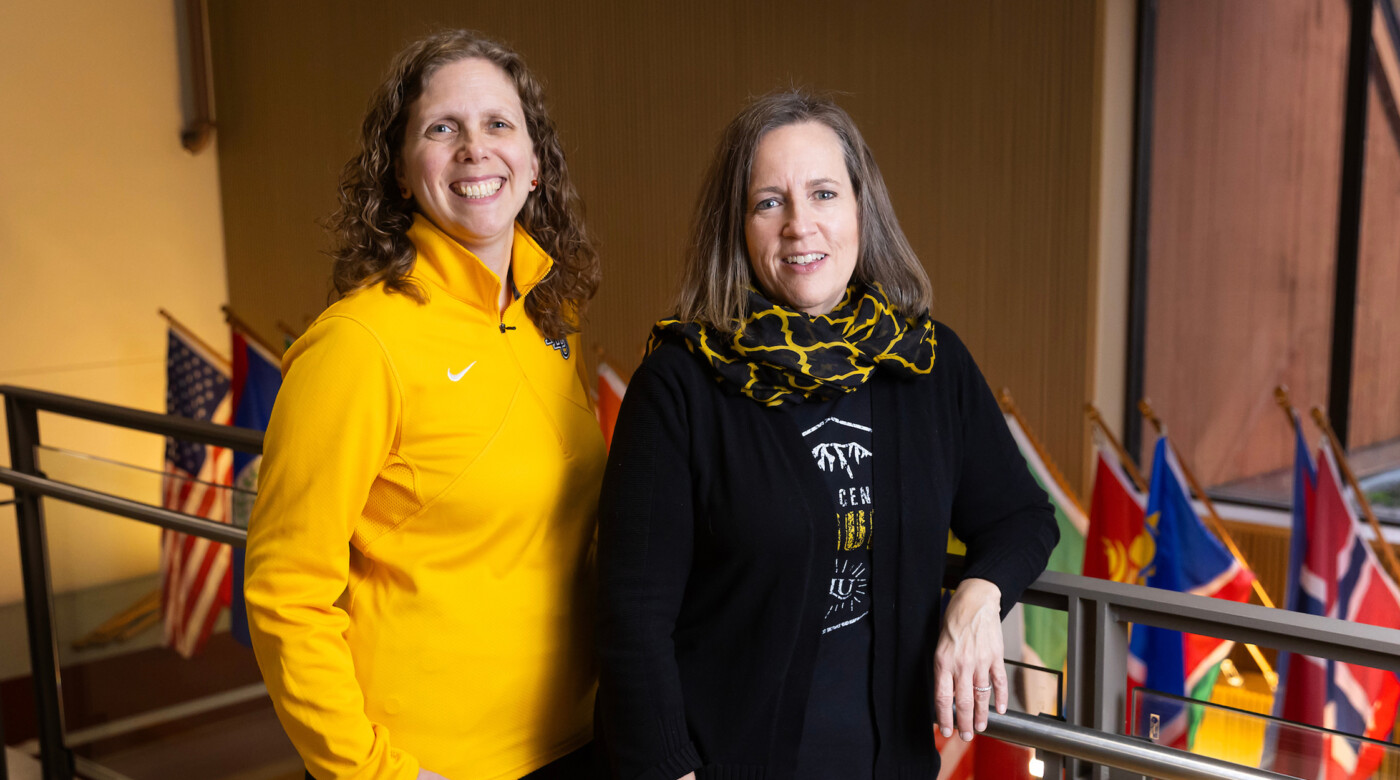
838	734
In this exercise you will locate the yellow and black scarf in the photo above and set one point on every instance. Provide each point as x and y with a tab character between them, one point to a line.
778	355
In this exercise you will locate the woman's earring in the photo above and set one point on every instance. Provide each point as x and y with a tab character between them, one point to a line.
534	183
405	192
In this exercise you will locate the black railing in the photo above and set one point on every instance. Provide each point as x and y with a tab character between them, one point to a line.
22	407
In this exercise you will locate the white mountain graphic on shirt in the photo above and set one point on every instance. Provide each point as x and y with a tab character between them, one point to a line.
832	456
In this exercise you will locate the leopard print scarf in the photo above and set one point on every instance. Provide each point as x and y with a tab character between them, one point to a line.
778	355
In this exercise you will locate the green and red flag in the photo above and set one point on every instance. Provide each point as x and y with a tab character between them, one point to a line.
1047	630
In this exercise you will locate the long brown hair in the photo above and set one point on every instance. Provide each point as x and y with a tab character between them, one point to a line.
717	271
371	225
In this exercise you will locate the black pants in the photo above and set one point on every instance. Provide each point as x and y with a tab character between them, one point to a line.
578	765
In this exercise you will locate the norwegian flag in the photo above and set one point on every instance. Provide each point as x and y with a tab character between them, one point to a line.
195	575
1336	574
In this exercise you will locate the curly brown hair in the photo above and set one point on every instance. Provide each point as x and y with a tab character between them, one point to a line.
371	225
717	271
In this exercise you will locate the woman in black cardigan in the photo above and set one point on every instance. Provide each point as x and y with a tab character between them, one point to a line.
756	619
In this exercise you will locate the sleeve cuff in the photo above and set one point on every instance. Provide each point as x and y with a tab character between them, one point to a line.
684	759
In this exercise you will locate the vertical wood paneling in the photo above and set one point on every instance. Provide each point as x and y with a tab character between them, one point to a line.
1246	155
1375	389
980	114
1266	549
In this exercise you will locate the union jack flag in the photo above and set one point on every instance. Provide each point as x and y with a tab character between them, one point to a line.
195	574
1332	572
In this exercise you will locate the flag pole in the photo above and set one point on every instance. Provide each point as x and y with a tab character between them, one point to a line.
1212	515
1286	404
1270	676
214	354
1008	405
287	330
237	323
1320	417
1123	456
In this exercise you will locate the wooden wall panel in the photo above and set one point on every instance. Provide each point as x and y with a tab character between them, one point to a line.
1245	158
1375	389
981	115
1266	549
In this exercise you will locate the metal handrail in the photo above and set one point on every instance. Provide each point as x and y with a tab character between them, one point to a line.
125	507
1296	632
1133	755
22	407
1099	611
1361	643
241	439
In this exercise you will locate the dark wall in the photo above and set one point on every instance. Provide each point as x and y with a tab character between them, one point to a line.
981	116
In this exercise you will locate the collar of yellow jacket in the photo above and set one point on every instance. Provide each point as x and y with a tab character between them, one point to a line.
449	265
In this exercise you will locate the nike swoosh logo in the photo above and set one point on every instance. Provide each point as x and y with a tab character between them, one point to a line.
458	376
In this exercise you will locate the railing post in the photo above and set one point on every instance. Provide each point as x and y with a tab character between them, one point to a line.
1054	764
1078	659
1110	679
55	758
1096	668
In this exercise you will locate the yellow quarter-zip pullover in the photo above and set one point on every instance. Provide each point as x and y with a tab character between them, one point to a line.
419	571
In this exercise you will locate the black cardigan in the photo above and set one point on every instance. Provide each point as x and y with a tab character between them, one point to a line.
709	565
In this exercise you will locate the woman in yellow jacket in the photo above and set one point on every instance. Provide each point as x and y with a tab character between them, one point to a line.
419	571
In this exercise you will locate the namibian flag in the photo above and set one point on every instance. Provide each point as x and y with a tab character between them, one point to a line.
1188	559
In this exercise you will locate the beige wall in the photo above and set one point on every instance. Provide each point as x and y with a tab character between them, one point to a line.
1115	75
981	115
103	219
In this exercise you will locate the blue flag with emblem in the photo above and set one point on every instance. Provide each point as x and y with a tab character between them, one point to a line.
256	380
1188	559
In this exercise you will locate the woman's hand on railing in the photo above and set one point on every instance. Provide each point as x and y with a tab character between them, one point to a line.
968	669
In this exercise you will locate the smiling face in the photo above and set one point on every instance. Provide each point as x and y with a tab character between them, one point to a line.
802	224
468	158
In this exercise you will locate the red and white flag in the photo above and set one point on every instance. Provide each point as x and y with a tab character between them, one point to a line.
611	389
195	573
1332	572
1360	700
958	758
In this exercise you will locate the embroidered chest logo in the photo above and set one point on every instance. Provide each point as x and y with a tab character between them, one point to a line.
561	344
457	377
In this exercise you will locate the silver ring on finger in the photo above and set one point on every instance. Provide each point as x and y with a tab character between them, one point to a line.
982	689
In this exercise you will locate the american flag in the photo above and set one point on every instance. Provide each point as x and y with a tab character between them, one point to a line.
195	575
